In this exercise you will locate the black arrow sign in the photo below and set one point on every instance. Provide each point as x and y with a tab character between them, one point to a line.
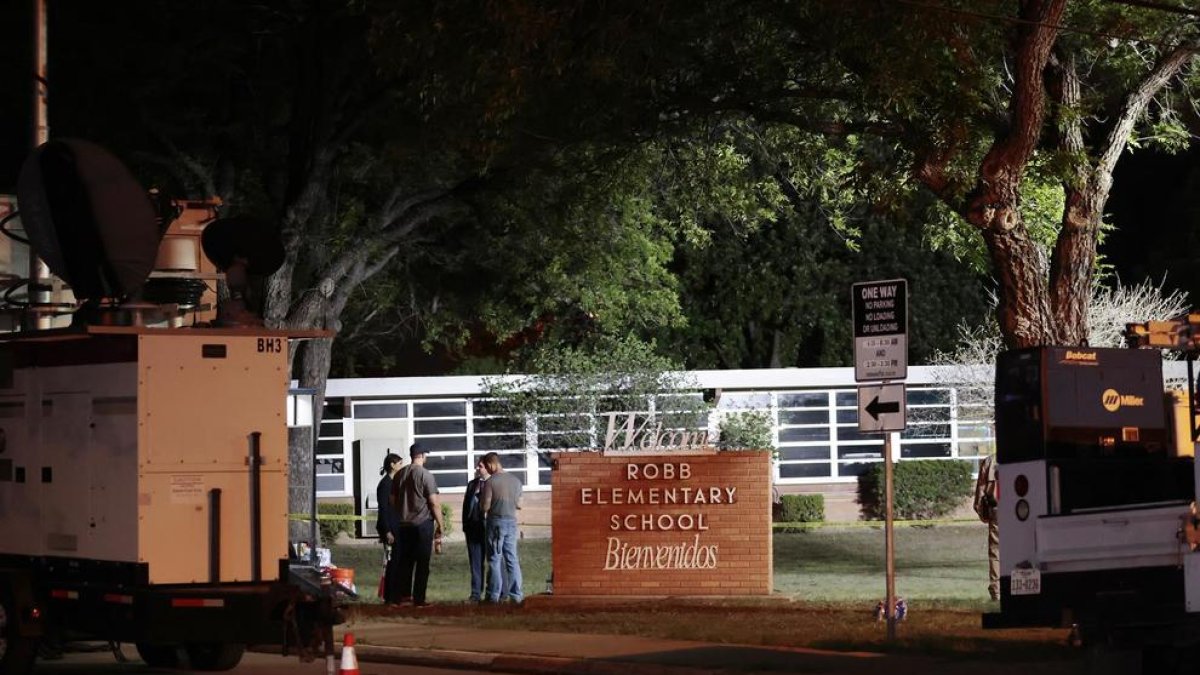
875	408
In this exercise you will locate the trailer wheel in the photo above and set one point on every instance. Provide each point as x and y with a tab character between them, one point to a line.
215	655
158	656
16	651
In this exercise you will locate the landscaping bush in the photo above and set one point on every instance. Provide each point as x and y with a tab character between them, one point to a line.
447	519
330	528
746	430
802	509
924	489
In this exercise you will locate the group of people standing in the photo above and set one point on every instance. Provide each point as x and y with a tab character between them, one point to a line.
410	524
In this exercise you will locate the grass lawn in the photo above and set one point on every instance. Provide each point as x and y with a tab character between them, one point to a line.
826	581
449	575
944	565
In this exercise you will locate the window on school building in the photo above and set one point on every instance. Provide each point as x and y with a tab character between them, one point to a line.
816	433
441	426
493	429
330	460
818	439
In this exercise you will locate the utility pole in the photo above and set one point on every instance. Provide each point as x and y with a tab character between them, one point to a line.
38	272
41	120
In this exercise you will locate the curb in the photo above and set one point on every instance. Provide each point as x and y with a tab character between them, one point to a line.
523	664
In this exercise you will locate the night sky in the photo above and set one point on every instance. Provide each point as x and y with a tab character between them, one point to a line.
15	90
1154	207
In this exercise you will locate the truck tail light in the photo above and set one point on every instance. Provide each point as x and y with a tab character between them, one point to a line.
1021	485
1022	510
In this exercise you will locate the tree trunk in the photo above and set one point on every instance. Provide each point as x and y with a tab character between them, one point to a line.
1073	264
993	206
776	348
301	492
315	356
1023	309
1074	255
1072	267
319	308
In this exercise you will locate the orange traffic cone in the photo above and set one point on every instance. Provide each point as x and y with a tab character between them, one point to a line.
349	664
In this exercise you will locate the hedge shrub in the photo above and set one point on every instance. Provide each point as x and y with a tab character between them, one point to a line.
330	528
924	489
802	509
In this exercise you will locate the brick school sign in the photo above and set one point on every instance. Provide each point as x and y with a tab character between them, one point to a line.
663	524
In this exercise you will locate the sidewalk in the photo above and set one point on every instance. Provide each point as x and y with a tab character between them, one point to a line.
407	641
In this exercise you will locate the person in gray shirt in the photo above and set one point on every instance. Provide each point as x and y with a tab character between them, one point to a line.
500	501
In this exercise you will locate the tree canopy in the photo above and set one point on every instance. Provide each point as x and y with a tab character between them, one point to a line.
430	146
1013	114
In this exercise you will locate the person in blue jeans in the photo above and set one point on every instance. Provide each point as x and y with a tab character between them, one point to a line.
475	530
500	501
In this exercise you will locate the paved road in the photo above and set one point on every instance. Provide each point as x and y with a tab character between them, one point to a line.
103	663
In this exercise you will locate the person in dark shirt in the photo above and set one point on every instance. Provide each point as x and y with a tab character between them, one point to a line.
415	498
386	523
473	528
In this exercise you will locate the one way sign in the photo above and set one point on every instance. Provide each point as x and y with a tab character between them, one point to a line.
881	408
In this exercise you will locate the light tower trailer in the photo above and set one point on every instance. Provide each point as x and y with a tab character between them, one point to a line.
143	496
1096	503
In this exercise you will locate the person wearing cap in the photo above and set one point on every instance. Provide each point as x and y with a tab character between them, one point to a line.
419	513
386	522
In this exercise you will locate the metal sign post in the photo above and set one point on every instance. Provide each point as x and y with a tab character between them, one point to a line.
889	538
881	353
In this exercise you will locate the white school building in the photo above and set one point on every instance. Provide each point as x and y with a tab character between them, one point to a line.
814	413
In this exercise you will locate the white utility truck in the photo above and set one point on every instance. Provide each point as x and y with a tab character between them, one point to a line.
1096	505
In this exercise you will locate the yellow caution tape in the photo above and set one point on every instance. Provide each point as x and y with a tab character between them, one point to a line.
327	516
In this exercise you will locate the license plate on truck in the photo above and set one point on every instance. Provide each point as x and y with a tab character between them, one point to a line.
1026	581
